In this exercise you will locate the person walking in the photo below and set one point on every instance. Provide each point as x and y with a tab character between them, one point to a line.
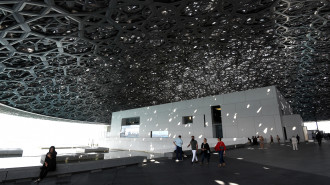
298	138
271	139
49	164
194	147
221	149
178	143
278	139
319	138
255	140
294	141
261	139
206	152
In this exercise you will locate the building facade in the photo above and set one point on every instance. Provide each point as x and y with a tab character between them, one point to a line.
234	117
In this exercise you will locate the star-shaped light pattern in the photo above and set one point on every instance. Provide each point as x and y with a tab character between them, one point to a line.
83	59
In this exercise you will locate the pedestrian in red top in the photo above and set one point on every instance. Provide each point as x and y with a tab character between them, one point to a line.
221	149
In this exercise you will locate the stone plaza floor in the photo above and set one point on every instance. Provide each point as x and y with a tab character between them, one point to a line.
276	164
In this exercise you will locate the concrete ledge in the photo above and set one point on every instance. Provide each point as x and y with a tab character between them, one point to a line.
11	152
68	158
93	150
11	174
3	175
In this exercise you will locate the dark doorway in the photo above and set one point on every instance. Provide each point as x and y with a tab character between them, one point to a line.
216	121
285	136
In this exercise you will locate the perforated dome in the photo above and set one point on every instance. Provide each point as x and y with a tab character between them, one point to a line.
83	59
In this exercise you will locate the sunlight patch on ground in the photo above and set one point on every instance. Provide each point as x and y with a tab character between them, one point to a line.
220	182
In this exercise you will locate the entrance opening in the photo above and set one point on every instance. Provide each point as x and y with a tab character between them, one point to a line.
216	121
285	136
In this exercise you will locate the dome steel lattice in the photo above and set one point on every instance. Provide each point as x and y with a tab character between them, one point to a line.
83	59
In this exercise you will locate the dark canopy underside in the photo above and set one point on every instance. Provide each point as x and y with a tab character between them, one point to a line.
83	59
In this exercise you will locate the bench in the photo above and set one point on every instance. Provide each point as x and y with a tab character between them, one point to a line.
12	174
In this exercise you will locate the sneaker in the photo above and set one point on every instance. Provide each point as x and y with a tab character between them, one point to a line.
219	165
223	164
37	181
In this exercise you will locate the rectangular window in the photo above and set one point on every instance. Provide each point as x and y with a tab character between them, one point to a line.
159	134
130	127
187	119
108	131
131	121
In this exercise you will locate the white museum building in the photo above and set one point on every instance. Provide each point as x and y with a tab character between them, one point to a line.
233	117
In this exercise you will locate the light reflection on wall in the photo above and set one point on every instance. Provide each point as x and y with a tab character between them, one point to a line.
31	134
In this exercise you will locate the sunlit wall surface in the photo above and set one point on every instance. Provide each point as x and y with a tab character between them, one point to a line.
323	126
244	114
32	134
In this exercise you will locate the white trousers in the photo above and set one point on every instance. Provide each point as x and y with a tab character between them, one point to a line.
194	155
294	145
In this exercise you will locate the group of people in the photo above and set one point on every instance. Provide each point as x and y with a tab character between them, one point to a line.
205	150
277	138
254	140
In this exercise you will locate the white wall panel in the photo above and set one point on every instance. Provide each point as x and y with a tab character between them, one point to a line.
208	132
234	97
292	120
186	112
279	127
269	107
219	99
265	126
230	131
246	127
260	93
244	105
248	109
198	122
